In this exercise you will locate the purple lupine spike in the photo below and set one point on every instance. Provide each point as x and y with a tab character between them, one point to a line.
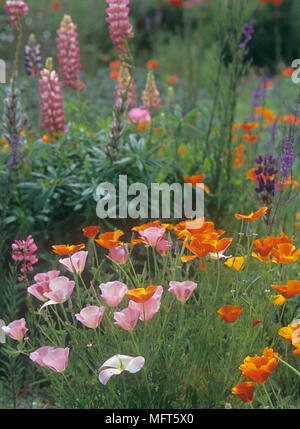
68	56
16	9
15	149
266	175
32	57
119	27
287	158
248	31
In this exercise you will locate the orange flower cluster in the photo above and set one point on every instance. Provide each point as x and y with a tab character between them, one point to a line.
252	216
239	159
275	3
258	369
281	249
201	238
292	333
197	180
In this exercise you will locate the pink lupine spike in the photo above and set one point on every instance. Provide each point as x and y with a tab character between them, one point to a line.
52	109
15	9
119	27
151	95
68	56
125	84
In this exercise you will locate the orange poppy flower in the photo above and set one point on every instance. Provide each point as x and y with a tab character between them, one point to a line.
277	299
173	79
248	127
256	322
237	262
230	313
288	71
56	5
252	216
249	138
259	368
201	245
197	180
289	119
91	231
114	74
244	391
285	253
268	85
252	175
109	240
141	295
66	249
287	331
289	290
155	224
115	65
152	64
263	246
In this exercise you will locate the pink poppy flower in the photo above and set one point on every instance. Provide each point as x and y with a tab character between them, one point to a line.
119	363
164	246
53	358
16	329
119	254
152	235
138	114
127	318
182	290
60	290
78	261
150	307
42	284
113	292
91	316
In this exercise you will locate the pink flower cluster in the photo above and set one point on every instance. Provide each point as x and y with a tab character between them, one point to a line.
52	109
68	56
24	252
119	27
16	9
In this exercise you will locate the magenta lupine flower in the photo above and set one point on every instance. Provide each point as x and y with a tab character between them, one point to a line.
119	27
24	252
52	109
68	57
16	9
125	84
